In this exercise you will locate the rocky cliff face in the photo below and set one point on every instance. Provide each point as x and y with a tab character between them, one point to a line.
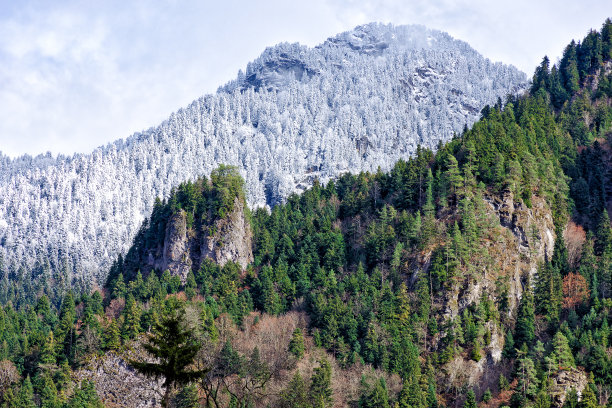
532	240
232	239
119	385
521	237
524	237
565	380
184	248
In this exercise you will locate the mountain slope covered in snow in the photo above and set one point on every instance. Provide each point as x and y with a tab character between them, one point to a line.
361	100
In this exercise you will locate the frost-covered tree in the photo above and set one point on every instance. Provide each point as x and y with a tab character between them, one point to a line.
361	100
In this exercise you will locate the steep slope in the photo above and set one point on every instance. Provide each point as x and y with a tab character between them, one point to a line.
202	220
360	100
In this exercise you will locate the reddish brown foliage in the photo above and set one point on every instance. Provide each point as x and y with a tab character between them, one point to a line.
575	290
8	375
574	236
115	307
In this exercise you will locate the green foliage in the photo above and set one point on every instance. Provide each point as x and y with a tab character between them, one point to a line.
470	400
525	323
320	391
375	396
486	397
562	352
373	259
175	347
187	397
85	397
296	394
296	345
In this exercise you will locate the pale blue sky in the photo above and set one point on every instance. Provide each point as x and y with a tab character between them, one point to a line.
78	74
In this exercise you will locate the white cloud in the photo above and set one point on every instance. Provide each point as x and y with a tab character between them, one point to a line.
76	74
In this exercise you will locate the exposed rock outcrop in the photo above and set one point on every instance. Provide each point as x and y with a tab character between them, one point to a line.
563	382
228	239
518	239
118	385
232	239
532	240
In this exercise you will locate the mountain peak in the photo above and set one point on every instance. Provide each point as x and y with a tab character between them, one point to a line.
359	101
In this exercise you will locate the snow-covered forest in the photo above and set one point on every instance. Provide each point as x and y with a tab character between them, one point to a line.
359	101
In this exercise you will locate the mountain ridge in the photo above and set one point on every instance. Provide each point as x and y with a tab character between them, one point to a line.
361	112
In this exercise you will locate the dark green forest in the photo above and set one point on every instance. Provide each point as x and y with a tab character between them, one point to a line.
374	260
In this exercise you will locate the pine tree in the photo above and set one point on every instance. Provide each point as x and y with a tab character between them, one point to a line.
377	397
560	255
458	250
47	353
85	397
429	206
569	69
296	344
320	385
527	377
190	286
548	292
588	398
112	336
452	174
66	335
187	397
48	392
296	394
525	322
25	397
131	319
119	289
588	264
562	351
470	400
175	347
603	235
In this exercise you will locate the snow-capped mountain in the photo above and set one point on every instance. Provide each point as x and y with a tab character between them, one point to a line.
361	100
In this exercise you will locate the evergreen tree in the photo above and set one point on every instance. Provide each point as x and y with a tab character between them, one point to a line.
548	292
190	286
525	322
377	397
562	351
527	377
560	255
131	319
85	397
320	385
588	399
112	337
48	392
296	344
470	400
66	335
452	174
25	397
187	397
119	289
47	353
175	347
603	235
296	394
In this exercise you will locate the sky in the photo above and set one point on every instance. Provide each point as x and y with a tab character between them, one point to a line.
75	75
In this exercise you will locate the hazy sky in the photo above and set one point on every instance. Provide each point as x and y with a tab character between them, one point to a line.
78	74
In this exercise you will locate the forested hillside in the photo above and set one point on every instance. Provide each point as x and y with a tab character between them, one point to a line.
478	275
358	101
